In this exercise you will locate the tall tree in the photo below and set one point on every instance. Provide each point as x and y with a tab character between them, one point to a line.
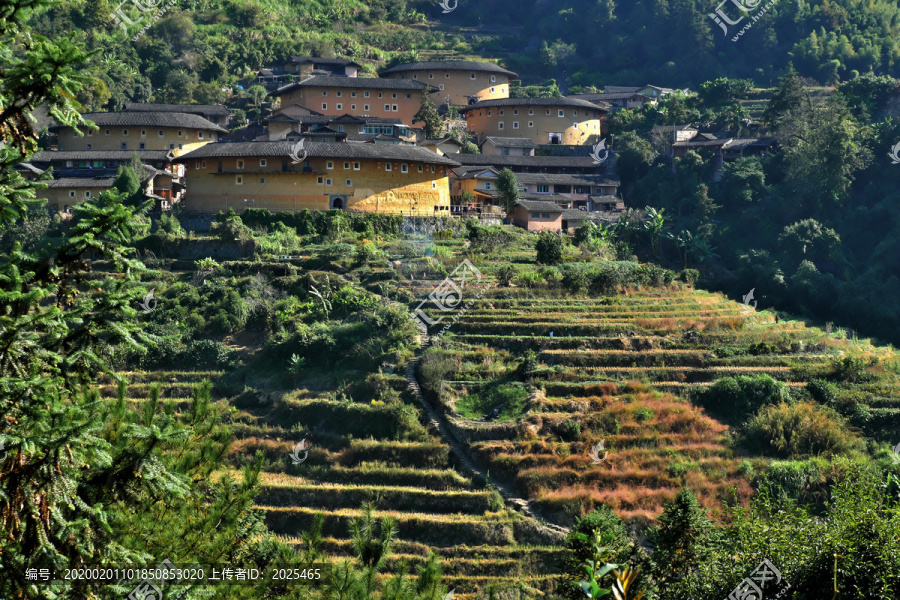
428	114
509	189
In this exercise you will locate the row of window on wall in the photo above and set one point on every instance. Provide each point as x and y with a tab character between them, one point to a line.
447	76
366	94
327	181
559	113
515	125
366	107
161	133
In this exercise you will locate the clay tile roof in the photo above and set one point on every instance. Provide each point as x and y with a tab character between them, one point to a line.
450	65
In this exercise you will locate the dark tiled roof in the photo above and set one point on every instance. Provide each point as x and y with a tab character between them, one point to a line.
150	119
672	128
435	142
622	89
606	97
501	160
501	102
70	182
511	142
450	65
60	155
565	179
695	143
607	199
319	150
539	206
196	109
744	143
544	197
338	62
372	137
357	83
466	172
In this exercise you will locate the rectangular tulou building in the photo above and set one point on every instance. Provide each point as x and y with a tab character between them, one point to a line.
380	178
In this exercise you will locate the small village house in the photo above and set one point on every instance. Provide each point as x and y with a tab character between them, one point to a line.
217	114
537	215
459	82
508	146
380	178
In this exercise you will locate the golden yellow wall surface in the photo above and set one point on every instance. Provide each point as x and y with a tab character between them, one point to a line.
371	189
99	140
331	104
534	123
58	198
459	85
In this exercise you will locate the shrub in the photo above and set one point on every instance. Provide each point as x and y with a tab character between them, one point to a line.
436	365
207	354
505	275
689	276
336	251
574	280
530	279
444	234
854	369
735	398
803	429
552	277
570	431
549	248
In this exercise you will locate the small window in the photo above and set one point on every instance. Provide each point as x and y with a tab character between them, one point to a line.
143	133
90	133
203	163
548	111
366	108
320	180
87	194
348	182
380	95
415	75
196	165
324	92
353	94
409	96
124	132
240	164
561	113
432	168
488	113
387	107
434	185
328	181
88	146
516	111
531	123
356	166
180	133
107	132
324	106
404	168
530	111
575	113
395	109
141	146
492	89
262	179
487	185
388	166
352	107
441	86
394	95
365	94
338	94
472	76
502	112
515	124
263	162
338	106
447	75
493	78
124	146
239	180
500	126
543	188
329	165
420	168
71	194
161	133
431	76
199	135
346	165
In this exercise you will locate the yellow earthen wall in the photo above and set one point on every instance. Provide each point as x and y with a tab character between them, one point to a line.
485	122
98	140
459	85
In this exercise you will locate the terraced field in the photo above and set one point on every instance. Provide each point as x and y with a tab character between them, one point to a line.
621	370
